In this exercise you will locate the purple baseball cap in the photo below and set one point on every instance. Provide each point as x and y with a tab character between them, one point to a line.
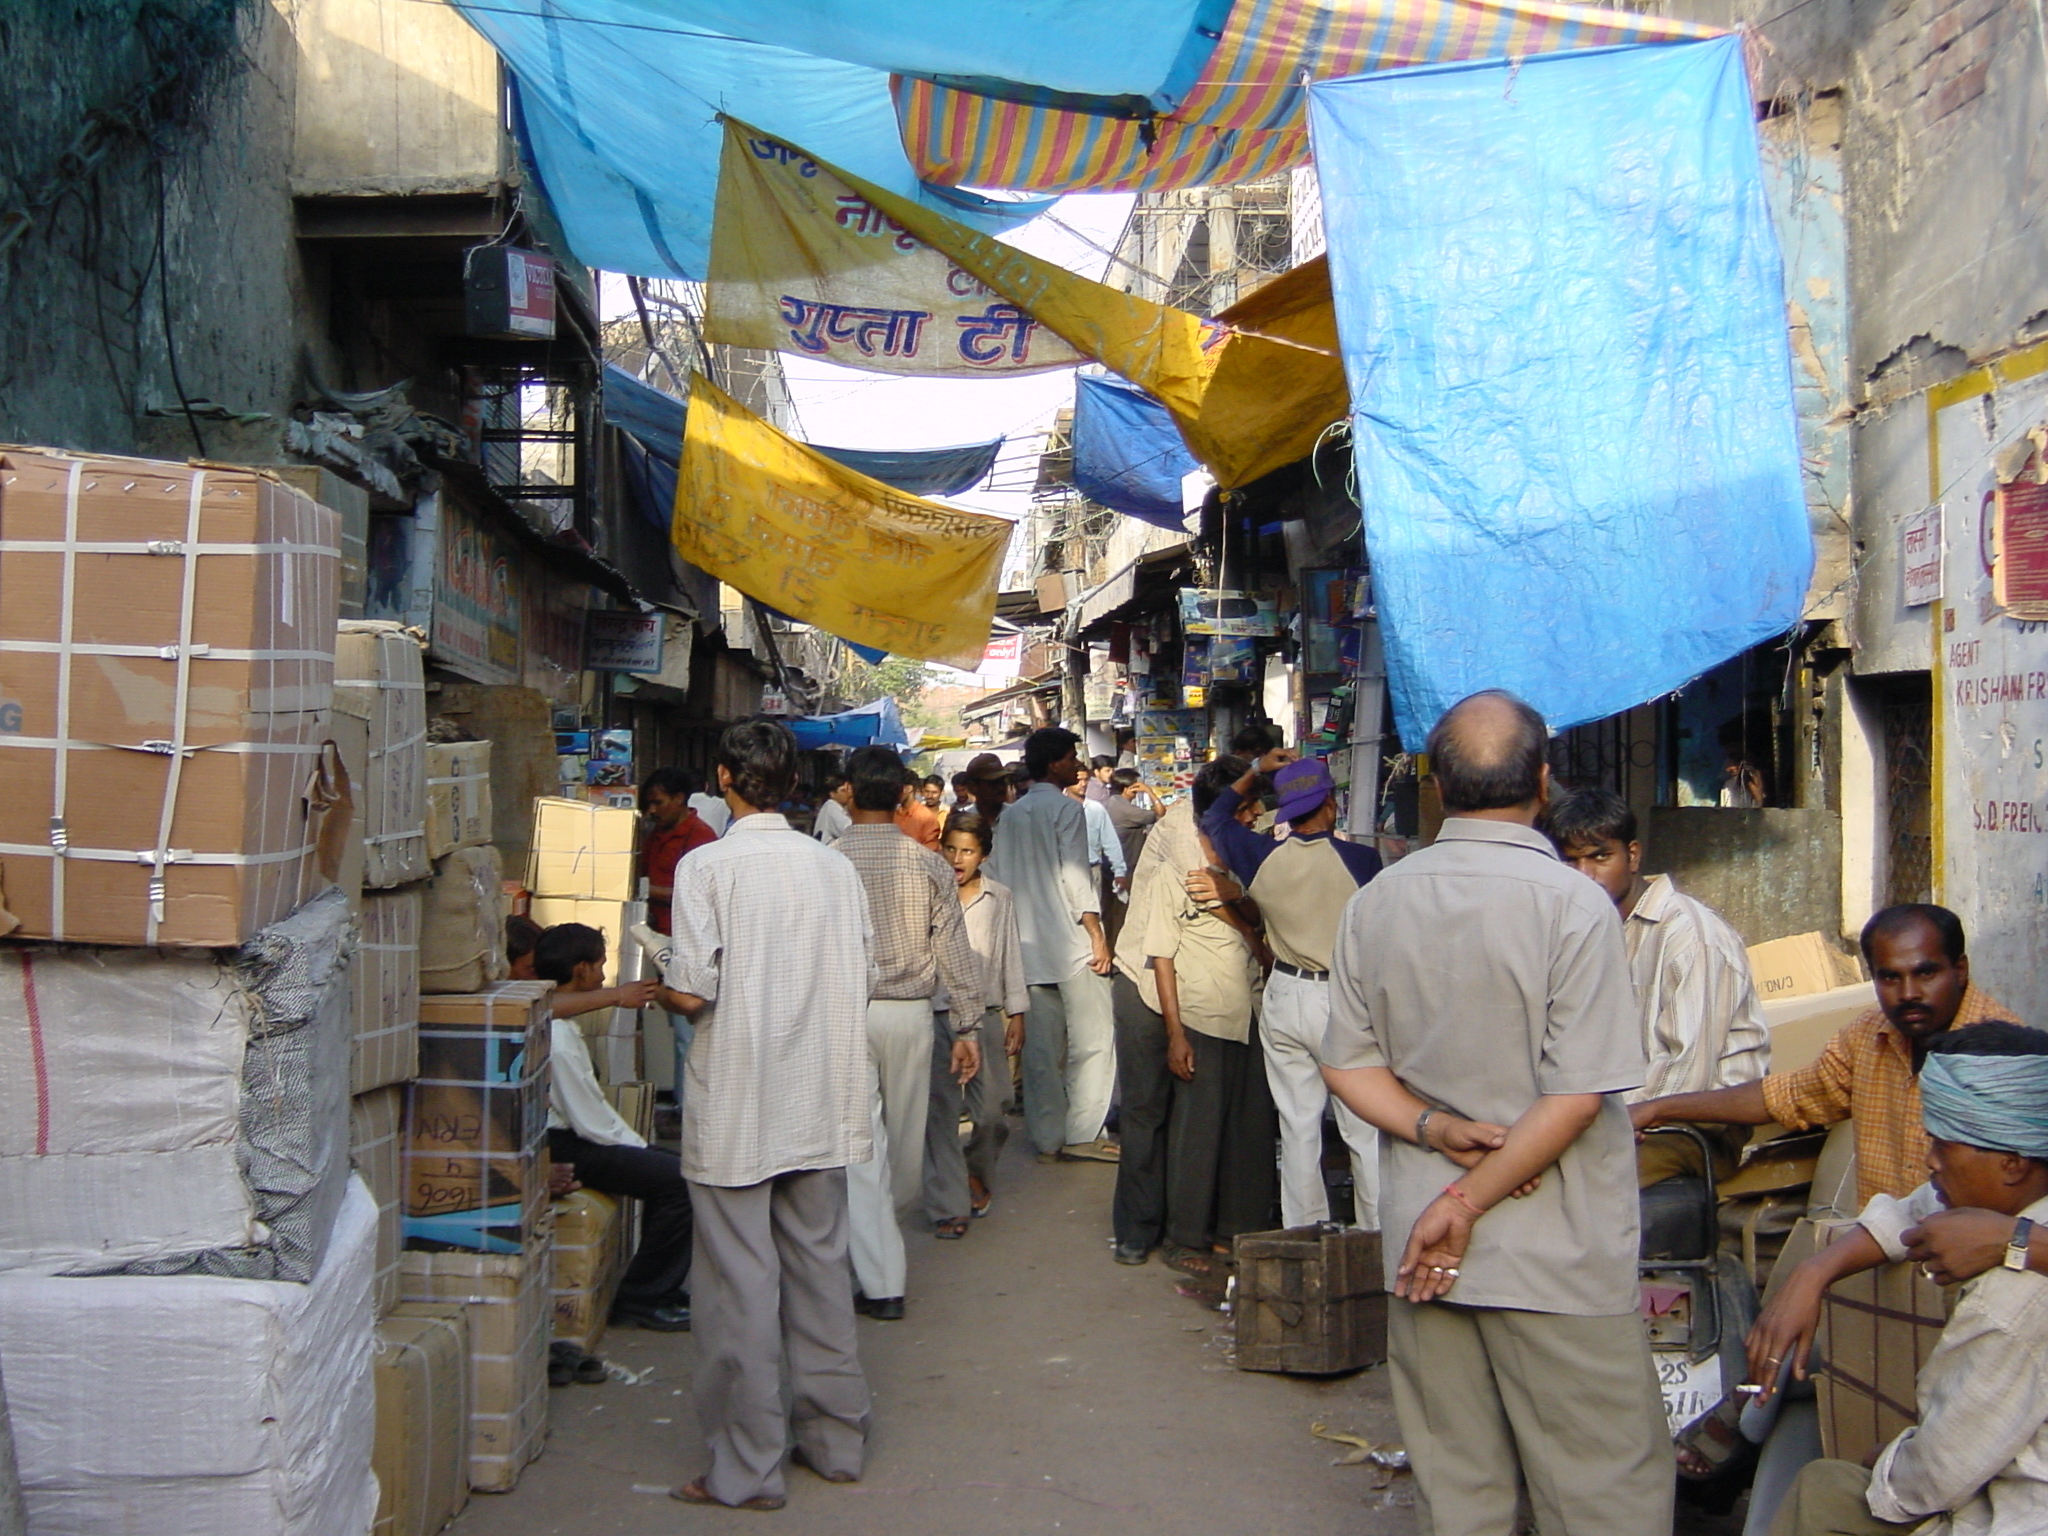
1302	787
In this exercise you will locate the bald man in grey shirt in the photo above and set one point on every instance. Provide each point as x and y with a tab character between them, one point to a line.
1482	1018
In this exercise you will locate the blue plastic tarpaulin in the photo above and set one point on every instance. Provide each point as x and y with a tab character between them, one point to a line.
1560	304
619	115
1128	454
876	724
655	418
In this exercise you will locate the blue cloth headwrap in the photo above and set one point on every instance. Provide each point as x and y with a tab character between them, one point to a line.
1996	1102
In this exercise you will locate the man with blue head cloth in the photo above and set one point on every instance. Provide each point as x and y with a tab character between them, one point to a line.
1977	1462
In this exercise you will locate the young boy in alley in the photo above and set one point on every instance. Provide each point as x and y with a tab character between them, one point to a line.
588	1136
1702	1024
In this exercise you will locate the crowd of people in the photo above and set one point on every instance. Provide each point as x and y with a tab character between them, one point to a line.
1500	1026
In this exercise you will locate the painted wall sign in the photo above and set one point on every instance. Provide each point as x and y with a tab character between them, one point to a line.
623	642
1920	556
476	600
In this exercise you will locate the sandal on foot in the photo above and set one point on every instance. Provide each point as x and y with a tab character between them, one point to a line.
694	1492
1193	1261
1713	1444
954	1229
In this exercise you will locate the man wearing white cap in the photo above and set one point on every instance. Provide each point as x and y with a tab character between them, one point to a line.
1300	886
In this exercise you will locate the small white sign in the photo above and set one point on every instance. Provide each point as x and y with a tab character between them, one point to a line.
622	642
1920	556
774	703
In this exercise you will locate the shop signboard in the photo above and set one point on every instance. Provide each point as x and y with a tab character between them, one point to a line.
1991	679
1212	611
476	599
616	641
1920	556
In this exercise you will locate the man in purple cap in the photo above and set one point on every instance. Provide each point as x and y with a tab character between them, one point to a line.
1300	885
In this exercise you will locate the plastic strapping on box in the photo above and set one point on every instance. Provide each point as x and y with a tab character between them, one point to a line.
180	706
176	653
60	838
160	547
149	856
398	746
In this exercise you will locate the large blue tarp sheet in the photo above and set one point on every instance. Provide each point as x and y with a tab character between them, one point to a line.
876	724
1128	454
619	116
1150	48
1558	294
655	418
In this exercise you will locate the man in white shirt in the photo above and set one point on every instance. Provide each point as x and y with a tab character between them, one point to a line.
1702	1024
773	958
1977	1462
835	814
1041	854
712	809
588	1139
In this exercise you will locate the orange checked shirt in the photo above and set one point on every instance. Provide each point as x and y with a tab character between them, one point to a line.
1867	1071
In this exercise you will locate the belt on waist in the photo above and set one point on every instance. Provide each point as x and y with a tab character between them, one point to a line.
1294	970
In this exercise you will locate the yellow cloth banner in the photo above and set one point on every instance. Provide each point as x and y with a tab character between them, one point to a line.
827	545
1245	404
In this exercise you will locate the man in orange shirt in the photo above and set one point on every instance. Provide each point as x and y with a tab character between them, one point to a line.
1871	1068
915	820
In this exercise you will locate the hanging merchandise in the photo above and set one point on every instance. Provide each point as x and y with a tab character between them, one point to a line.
1575	435
800	262
830	547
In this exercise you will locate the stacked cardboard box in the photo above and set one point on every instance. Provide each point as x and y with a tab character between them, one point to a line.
380	677
509	1303
386	978
422	1448
1877	1330
613	1034
458	796
462	923
476	1170
374	1119
166	638
590	1258
586	852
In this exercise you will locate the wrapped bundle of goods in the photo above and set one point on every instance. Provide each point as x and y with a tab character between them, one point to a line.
167	643
385	980
587	852
458	796
613	1034
187	1405
422	1451
380	677
462	923
175	1111
476	1170
590	1260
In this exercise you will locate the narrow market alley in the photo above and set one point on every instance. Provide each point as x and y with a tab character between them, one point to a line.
1034	1386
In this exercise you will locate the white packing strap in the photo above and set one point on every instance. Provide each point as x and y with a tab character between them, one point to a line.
388	949
158	748
463	778
177	547
390	747
178	653
181	701
396	837
60	836
380	682
149	856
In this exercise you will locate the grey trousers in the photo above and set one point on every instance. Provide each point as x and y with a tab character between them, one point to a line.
1830	1498
883	1190
1069	1060
769	1294
947	1164
1491	1399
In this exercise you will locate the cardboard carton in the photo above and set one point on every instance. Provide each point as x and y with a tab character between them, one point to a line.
386	978
458	796
462	923
590	1258
476	1118
613	1034
380	675
166	667
510	1310
1801	1026
422	1450
373	1123
1799	966
1877	1329
591	852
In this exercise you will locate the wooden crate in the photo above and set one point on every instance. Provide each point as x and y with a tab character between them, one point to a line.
1310	1300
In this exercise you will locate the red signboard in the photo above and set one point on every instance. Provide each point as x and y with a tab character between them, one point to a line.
2021	574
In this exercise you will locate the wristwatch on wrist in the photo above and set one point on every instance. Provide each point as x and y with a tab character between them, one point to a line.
2016	1245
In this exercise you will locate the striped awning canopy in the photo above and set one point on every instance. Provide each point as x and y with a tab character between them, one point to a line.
1244	117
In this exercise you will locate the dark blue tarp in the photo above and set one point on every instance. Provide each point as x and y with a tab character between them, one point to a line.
1560	304
656	419
879	723
1128	454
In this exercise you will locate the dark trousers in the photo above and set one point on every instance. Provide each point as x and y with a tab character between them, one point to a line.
1220	1175
653	1176
1145	1096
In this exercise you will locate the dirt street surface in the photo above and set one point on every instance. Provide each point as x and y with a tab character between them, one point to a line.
1036	1386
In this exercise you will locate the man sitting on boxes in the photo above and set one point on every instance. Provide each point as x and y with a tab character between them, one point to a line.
587	1135
1977	1462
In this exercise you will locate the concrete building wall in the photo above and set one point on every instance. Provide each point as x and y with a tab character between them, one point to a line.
83	300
